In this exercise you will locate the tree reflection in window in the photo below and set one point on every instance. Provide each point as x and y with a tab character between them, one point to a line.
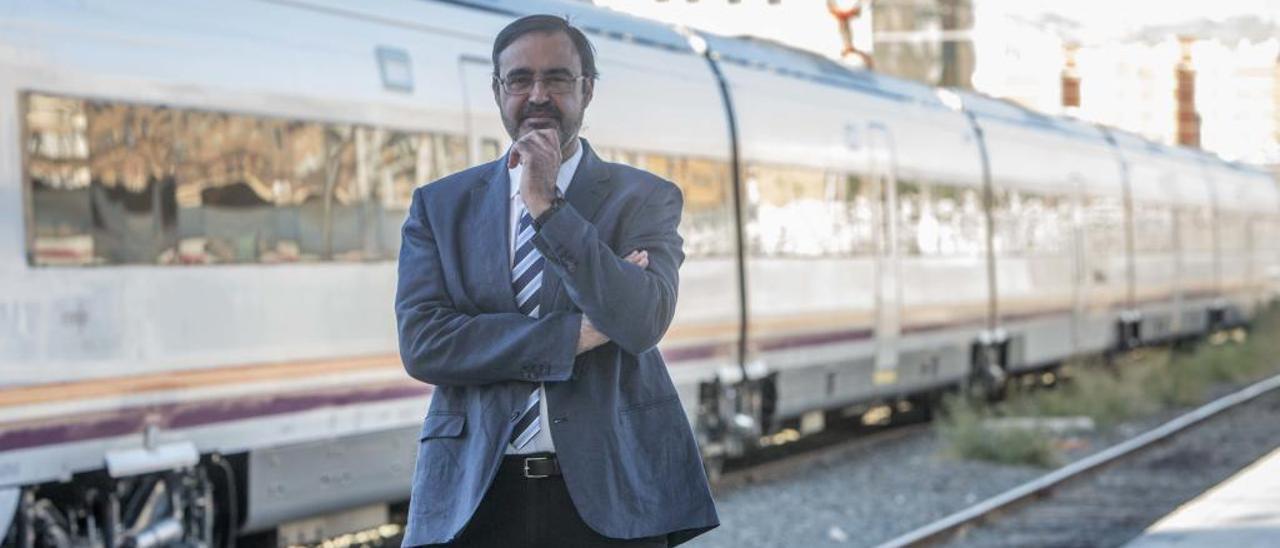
707	221
58	179
116	183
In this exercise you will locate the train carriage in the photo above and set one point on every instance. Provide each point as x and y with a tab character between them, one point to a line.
202	213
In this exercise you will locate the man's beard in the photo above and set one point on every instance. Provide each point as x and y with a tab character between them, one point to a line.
543	110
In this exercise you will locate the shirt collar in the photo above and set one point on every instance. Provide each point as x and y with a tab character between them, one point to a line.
563	178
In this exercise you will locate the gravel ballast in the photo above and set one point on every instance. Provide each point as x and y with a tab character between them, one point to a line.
894	487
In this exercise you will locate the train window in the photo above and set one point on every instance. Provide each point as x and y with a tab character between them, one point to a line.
1104	225
490	149
393	164
1031	224
940	220
241	182
1233	231
707	221
660	165
57	170
131	189
113	183
790	212
1153	228
1266	237
1195	229
857	225
911	202
449	155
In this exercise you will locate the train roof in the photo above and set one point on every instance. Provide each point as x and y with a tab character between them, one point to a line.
1132	141
771	56
591	19
986	106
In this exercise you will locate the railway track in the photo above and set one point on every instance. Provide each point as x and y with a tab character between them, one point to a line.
1107	498
825	448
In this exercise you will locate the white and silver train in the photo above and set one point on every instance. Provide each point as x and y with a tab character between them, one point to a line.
201	201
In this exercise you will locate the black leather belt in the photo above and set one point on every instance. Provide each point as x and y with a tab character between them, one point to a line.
533	466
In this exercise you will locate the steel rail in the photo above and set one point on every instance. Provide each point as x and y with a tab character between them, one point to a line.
945	528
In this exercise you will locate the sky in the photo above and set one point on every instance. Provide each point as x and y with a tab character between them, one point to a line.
1113	18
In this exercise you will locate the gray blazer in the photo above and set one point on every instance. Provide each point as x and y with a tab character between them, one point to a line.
625	446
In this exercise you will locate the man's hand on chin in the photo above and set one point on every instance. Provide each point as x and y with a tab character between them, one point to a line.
539	152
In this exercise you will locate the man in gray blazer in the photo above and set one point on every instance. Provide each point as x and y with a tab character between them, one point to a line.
532	294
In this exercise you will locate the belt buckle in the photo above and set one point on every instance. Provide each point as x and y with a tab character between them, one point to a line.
526	468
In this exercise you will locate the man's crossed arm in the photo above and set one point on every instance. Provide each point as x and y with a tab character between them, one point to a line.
590	337
443	346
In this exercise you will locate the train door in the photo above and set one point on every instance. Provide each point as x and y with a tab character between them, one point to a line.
486	137
1082	262
1178	276
888	295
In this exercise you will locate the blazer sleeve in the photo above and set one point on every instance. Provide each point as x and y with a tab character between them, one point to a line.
443	346
630	305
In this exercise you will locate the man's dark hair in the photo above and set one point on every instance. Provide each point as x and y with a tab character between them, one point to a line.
548	24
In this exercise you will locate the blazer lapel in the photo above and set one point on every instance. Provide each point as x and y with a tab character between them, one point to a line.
490	232
590	184
587	191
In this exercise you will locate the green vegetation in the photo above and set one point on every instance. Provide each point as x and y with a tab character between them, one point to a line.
961	426
1136	384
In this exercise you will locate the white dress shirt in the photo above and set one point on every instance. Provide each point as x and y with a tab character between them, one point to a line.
515	206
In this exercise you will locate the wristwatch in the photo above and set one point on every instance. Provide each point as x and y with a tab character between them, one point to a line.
556	204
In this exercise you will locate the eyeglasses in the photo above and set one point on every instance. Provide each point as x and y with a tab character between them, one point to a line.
522	84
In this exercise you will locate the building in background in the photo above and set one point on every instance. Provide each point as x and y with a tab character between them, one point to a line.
1130	82
929	41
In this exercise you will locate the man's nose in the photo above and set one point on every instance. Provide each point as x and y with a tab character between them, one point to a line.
538	93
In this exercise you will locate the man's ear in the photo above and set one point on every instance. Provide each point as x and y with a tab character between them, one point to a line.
588	90
497	89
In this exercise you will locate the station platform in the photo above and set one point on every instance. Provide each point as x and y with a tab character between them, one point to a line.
1243	511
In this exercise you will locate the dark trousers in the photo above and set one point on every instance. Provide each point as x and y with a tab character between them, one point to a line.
521	512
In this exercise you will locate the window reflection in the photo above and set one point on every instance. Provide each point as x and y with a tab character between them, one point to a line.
57	151
940	220
707	220
115	183
131	185
1233	231
1104	225
232	171
806	212
1153	228
1195	229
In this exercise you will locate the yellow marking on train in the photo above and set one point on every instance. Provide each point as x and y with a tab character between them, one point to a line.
191	379
679	333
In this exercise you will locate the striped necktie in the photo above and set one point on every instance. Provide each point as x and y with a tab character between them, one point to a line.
526	275
526	279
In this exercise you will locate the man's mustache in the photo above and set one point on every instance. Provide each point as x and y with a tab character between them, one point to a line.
547	110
